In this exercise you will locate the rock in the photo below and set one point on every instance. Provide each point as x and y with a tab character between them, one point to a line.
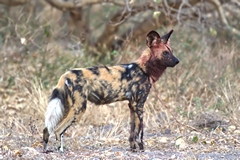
237	132
180	143
163	140
231	128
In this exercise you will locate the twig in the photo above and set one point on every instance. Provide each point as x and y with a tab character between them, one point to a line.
236	2
127	5
180	10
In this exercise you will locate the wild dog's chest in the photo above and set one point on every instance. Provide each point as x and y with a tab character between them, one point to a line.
117	83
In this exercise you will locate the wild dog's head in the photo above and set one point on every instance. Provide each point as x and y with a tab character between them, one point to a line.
155	59
161	53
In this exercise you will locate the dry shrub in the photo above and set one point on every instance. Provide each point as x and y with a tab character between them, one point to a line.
202	82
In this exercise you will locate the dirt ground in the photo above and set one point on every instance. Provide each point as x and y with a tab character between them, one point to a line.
22	139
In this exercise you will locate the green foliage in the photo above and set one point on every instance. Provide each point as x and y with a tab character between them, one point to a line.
219	106
156	14
198	103
195	139
47	31
158	1
213	31
109	57
11	81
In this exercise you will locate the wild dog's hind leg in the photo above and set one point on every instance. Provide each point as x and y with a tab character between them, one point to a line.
136	134
75	112
45	138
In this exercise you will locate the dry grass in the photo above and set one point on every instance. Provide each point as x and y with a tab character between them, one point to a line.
202	93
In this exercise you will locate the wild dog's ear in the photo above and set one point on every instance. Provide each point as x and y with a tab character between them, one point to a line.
153	39
165	39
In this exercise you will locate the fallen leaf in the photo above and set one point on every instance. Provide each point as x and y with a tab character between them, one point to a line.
119	153
17	153
156	14
150	142
5	148
37	144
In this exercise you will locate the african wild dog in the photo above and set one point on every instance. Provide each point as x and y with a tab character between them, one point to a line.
103	85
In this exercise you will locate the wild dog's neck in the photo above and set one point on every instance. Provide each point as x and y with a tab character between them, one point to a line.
150	64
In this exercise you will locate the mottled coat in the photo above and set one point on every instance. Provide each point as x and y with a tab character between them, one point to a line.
104	85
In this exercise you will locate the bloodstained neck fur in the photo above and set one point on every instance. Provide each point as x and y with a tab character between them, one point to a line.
150	65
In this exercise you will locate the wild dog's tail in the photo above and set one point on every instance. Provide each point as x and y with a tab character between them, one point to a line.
55	109
55	112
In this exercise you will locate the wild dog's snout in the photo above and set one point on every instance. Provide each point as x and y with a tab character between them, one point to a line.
175	60
169	60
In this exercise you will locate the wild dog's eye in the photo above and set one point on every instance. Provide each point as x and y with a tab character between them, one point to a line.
165	53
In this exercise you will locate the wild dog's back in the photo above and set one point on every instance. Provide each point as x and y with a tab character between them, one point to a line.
111	84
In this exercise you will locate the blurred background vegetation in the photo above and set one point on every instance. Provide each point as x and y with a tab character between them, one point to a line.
41	39
100	32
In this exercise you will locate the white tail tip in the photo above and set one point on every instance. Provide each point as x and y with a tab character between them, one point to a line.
54	114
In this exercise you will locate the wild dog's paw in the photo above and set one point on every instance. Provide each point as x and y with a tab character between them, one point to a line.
132	150
60	149
141	148
47	151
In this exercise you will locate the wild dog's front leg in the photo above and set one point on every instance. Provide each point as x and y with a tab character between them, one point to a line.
132	131
75	112
136	134
139	135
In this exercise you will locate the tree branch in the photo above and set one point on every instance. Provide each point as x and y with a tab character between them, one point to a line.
105	41
169	8
70	4
223	18
13	2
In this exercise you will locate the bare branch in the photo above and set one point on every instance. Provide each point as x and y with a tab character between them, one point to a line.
70	4
223	18
112	27
173	5
236	2
13	2
179	10
107	38
127	6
